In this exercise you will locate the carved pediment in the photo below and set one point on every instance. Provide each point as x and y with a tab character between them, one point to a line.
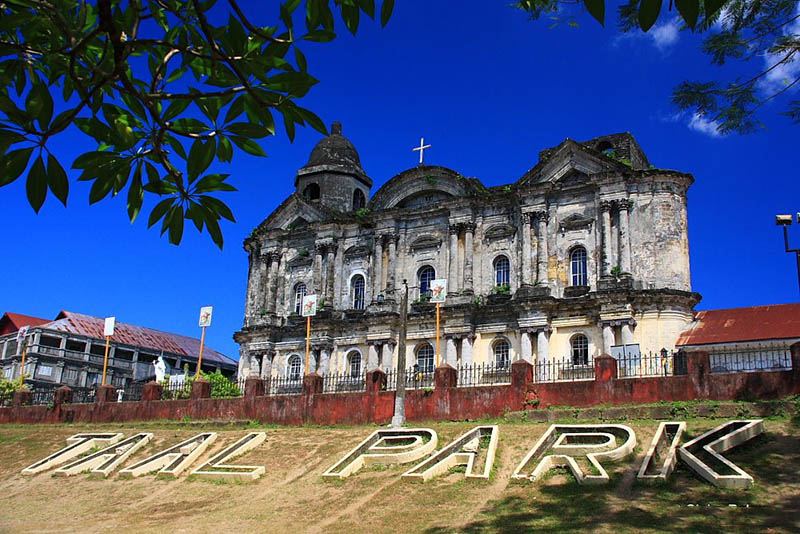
425	242
499	231
357	251
575	221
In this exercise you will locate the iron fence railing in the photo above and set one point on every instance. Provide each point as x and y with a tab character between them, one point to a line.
343	382
416	378
132	391
483	374
285	385
564	370
43	395
83	395
751	358
652	364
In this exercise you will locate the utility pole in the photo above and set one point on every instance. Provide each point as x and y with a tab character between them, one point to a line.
399	418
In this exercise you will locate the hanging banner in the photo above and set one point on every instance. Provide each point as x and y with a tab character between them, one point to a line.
205	316
108	330
309	308
21	333
438	290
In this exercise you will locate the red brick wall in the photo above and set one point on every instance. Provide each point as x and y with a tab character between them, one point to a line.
443	402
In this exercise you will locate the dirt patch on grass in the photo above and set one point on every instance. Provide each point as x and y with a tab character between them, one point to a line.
292	496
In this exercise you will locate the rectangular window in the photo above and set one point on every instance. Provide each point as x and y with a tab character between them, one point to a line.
45	370
70	374
92	379
49	341
9	372
76	346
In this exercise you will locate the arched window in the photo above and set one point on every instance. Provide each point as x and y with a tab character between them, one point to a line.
425	358
501	357
359	201
354	363
580	350
311	192
357	291
502	271
294	368
299	293
577	262
425	276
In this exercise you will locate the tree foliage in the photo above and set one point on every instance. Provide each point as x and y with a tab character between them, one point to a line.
164	87
762	35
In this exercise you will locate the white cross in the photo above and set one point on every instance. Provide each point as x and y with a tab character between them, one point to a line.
422	146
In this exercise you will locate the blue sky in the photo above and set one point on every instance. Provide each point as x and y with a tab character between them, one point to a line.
488	89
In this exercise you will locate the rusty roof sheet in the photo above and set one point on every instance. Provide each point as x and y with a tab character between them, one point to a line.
17	320
140	336
733	325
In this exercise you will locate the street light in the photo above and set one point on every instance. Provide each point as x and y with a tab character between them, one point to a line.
786	221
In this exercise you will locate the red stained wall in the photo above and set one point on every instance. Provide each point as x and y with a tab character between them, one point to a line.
443	402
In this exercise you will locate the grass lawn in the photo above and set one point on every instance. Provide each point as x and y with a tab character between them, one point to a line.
293	497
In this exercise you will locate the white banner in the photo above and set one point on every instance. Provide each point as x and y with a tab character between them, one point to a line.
309	308
108	329
21	333
438	290
205	316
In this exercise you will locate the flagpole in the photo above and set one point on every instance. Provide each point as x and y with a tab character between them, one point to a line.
437	334
22	372
105	361
308	340
200	357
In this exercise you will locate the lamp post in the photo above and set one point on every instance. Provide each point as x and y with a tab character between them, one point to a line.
786	221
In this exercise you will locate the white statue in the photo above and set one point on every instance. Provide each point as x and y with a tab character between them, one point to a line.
161	369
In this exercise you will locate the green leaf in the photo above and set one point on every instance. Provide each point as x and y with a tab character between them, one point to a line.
597	9
217	206
189	126
712	6
214	231
101	188
236	109
648	13
135	106
689	10
213	182
249	146
386	11
247	129
320	36
224	149
57	179
13	164
302	64
135	194
200	157
176	108
176	225
39	104
159	211
36	185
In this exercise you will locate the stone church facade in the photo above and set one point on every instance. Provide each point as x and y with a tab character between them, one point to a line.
587	250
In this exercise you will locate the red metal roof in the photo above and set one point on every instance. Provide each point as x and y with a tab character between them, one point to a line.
732	325
11	322
140	336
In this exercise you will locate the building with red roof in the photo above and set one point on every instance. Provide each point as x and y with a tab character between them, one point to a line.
70	350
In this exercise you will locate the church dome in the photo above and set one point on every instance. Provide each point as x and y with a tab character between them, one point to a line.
337	151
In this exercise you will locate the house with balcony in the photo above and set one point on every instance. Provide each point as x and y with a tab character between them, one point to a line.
70	350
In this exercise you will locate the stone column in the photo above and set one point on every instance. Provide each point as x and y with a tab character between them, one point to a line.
627	332
608	338
387	350
469	229
337	276
272	281
451	354
526	351
605	210
319	250
254	365
251	280
281	286
330	275
266	364
466	349
452	275
377	269
542	346
325	360
624	237
392	242
525	264
372	357
541	248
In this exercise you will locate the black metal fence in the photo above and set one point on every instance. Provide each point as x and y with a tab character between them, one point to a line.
751	358
285	385
651	364
415	378
483	374
43	395
343	382
564	370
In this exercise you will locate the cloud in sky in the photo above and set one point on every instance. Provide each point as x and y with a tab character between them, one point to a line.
785	73
663	35
704	125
